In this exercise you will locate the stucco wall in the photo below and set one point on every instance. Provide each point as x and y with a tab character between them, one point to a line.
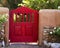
4	10
47	17
58	18
7	31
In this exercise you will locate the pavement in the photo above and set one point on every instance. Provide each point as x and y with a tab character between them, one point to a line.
22	46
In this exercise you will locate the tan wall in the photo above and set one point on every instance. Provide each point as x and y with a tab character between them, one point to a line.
4	10
47	18
58	18
7	31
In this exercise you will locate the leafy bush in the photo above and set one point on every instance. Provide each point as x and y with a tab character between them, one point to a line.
11	4
41	4
56	31
3	18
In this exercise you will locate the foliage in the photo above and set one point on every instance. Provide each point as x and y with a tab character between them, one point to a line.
3	18
57	31
11	4
42	4
35	4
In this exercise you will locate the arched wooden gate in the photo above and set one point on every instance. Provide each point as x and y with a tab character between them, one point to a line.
23	25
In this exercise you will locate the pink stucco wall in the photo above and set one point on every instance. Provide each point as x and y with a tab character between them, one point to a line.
47	17
4	10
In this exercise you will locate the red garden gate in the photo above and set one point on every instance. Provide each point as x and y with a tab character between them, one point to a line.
23	25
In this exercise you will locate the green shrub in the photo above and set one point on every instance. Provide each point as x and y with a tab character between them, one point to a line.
56	31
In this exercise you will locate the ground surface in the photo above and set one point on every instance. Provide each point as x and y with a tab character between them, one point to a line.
22	46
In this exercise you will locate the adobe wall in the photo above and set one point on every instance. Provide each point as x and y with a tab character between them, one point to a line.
4	10
47	17
57	18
